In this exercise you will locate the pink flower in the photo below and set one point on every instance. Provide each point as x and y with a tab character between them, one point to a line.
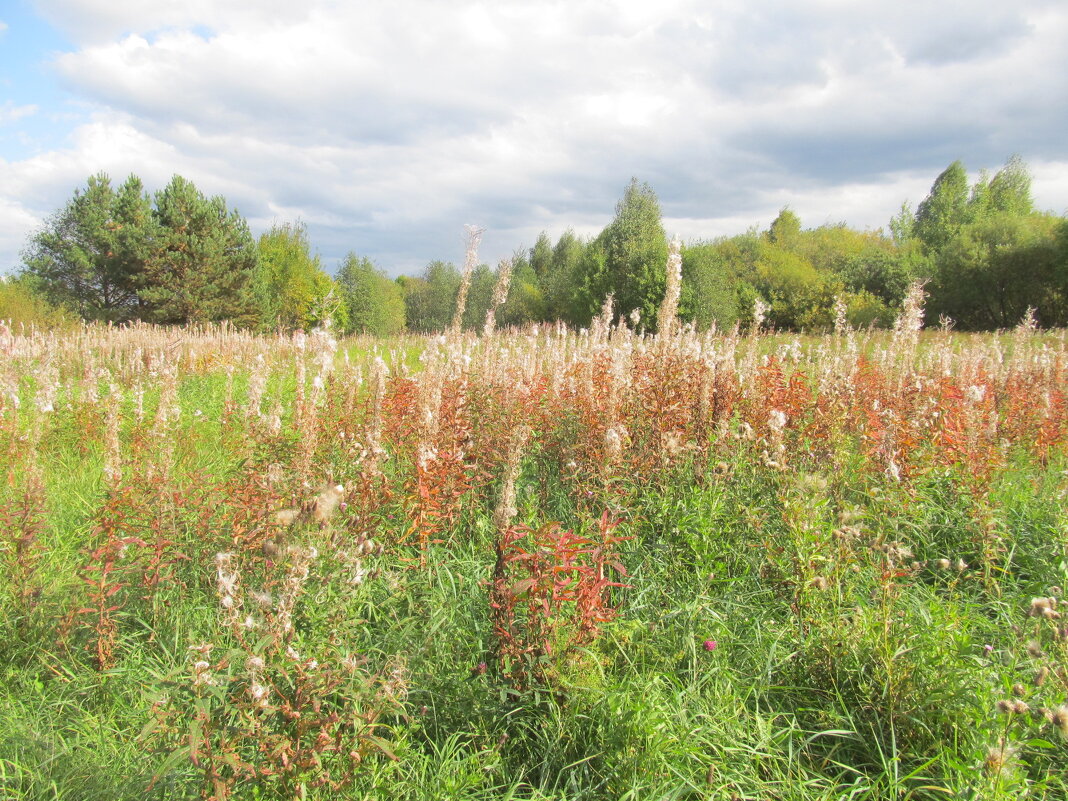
710	645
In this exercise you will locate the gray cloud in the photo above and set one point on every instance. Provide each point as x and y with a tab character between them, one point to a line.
386	127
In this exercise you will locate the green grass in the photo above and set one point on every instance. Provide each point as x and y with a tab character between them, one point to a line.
835	675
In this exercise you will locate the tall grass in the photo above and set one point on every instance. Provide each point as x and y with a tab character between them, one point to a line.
539	564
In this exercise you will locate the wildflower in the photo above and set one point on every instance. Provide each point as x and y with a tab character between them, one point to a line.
253	664
709	645
988	649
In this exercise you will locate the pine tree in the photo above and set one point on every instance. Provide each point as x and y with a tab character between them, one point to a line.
91	254
202	269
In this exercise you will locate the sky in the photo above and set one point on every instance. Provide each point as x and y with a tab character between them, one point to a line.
385	126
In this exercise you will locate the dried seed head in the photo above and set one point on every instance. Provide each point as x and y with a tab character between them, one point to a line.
1020	708
1034	650
944	564
1038	606
1004	707
327	502
1059	718
1019	690
1041	676
999	758
286	517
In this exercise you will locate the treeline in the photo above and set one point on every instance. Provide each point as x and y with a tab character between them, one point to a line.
983	250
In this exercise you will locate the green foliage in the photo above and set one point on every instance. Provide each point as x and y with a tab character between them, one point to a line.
479	297
22	304
203	268
1010	189
799	295
288	283
112	256
949	206
785	230
628	259
91	255
945	209
525	303
541	255
559	284
903	225
430	301
992	270
375	304
707	292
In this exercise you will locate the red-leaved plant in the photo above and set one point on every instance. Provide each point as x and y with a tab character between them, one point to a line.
550	593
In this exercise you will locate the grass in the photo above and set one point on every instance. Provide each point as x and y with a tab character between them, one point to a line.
848	663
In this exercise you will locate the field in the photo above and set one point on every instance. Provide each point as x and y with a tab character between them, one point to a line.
535	564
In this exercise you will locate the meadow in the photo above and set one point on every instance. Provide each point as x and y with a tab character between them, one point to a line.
534	564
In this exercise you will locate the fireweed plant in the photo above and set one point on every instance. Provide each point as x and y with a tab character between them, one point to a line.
538	563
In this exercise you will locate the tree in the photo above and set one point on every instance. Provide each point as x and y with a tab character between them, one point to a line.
541	255
992	270
628	259
1010	189
91	255
944	210
289	285
560	282
708	292
375	303
525	303
430	301
203	268
903	225
479	297
785	230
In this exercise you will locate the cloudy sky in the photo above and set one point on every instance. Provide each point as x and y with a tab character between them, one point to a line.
386	126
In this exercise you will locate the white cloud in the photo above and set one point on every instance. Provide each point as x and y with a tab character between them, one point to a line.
9	112
386	126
